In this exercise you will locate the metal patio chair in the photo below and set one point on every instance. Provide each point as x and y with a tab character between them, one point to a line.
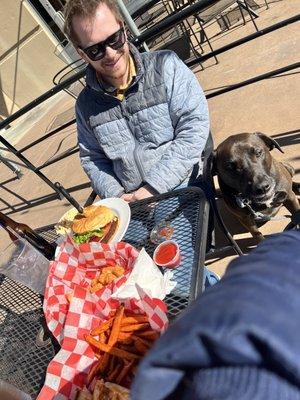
66	72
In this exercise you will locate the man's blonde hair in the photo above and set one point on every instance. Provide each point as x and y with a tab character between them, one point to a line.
85	8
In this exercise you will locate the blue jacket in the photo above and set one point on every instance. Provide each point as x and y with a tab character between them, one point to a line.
154	136
240	340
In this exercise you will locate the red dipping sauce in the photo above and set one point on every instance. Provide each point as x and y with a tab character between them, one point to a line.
167	254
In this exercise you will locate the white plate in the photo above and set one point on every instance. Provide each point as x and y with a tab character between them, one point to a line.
119	206
123	212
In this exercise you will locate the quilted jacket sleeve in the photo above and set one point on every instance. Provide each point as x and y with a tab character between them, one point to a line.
94	162
189	113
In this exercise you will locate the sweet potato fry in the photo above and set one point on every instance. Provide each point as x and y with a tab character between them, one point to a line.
138	319
141	347
104	363
123	336
102	337
116	326
134	327
127	340
93	372
111	350
129	313
115	372
145	342
129	347
103	327
149	334
119	343
125	371
111	364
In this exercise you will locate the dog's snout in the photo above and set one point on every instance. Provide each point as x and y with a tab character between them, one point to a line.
262	188
259	186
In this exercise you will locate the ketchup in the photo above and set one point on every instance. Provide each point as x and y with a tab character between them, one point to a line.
166	253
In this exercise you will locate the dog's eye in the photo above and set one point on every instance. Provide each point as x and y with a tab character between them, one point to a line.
258	152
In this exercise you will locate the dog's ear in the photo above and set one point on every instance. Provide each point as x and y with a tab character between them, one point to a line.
270	142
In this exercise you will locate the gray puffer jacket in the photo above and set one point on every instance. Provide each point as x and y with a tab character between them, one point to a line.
154	136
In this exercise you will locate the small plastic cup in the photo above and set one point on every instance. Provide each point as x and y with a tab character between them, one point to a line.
167	254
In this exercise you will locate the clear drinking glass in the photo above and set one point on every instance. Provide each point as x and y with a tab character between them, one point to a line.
23	263
10	392
162	231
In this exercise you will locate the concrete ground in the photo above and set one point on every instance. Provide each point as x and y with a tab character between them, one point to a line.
270	106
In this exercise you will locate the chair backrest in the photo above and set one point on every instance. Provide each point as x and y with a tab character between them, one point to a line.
180	45
214	10
69	70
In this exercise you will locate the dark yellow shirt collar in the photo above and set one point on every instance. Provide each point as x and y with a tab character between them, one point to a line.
119	93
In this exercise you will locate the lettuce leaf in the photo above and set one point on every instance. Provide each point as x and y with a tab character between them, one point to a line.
85	237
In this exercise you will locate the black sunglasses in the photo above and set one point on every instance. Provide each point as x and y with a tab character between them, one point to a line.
98	50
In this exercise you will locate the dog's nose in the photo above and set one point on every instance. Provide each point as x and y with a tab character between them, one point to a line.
262	188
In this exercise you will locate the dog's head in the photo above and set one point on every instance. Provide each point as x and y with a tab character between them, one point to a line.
244	163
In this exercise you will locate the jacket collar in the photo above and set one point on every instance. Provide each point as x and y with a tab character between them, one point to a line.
91	78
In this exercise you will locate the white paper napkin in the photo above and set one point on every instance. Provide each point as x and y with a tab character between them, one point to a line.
146	274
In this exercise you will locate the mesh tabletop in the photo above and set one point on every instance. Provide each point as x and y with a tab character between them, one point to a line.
187	210
25	351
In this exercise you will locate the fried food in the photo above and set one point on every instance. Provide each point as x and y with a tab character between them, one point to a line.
106	276
104	391
119	343
84	394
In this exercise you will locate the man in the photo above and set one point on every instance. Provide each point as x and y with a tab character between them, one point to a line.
142	118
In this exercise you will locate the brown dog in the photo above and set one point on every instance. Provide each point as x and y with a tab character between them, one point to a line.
253	183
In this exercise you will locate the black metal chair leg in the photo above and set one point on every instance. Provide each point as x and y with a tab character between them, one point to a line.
244	5
207	38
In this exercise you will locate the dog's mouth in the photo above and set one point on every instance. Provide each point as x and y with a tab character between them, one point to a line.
263	198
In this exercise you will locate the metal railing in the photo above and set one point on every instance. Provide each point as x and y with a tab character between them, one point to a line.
59	192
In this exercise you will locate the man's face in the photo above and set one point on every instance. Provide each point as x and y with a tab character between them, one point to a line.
97	29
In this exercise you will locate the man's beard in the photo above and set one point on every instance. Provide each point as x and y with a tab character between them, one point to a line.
120	74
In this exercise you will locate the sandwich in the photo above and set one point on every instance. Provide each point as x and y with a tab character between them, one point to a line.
96	223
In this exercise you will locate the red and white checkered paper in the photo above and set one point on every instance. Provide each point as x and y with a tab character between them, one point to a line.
71	273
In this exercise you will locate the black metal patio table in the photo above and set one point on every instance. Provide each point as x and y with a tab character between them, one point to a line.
26	349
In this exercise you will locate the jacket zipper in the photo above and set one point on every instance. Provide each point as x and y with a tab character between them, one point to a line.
137	159
135	150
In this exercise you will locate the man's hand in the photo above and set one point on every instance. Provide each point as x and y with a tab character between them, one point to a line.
142	193
127	197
